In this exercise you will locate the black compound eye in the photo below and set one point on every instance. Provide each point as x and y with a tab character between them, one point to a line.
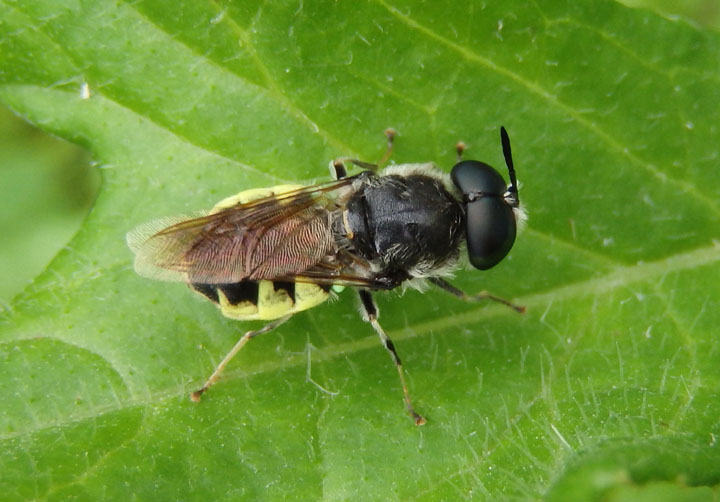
491	229
490	221
471	176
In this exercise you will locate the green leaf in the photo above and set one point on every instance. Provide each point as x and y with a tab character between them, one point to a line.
607	387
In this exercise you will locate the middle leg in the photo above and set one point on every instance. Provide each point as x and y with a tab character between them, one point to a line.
371	312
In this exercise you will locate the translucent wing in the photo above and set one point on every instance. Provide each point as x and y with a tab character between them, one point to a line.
267	238
344	269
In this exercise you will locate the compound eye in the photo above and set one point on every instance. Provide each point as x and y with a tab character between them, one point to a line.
490	221
491	229
472	176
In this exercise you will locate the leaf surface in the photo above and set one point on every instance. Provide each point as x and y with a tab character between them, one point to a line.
606	387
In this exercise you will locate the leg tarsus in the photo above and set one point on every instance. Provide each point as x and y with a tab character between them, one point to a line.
460	148
483	295
195	396
390	134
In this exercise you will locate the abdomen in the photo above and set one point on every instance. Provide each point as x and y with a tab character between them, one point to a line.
263	300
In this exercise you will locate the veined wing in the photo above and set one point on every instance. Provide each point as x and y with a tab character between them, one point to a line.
266	238
345	269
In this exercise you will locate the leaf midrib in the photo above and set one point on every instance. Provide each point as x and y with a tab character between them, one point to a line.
618	277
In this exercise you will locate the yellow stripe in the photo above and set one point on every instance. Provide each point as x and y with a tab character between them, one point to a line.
243	310
252	194
308	295
273	304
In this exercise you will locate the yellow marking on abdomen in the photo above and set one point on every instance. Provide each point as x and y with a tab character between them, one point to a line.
273	304
252	194
308	295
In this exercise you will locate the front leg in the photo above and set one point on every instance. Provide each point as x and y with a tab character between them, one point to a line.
483	295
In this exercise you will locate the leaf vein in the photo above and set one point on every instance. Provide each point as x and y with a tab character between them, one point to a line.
551	99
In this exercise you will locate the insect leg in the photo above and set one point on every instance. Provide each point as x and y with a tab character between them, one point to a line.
370	313
338	167
390	135
460	148
483	295
195	396
338	170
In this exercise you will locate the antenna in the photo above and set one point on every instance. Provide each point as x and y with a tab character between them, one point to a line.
507	152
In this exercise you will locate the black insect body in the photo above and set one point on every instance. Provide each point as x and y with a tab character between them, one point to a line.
270	253
407	225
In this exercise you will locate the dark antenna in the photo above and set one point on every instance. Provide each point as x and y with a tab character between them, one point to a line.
505	140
